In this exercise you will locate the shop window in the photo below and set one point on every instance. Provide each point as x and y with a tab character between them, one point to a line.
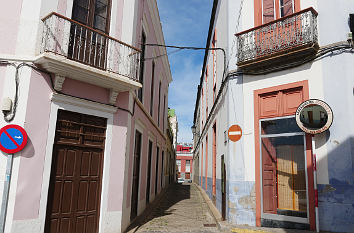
283	153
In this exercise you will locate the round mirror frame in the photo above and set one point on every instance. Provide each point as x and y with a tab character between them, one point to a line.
321	103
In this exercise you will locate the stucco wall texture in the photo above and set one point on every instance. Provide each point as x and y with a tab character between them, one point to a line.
26	207
329	78
336	196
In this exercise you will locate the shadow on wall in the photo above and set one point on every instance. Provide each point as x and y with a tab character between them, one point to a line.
28	151
336	199
252	78
159	208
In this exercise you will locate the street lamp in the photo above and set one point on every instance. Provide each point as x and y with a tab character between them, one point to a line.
193	129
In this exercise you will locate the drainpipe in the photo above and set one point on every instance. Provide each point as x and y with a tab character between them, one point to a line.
315	183
6	191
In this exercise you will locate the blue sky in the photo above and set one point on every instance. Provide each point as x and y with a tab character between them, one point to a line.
185	23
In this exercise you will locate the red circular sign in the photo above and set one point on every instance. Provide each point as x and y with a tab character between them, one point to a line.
235	133
13	138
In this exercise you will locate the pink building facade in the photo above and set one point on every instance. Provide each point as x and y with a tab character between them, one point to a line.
184	161
93	101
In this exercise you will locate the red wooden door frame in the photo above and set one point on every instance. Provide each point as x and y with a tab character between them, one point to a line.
309	158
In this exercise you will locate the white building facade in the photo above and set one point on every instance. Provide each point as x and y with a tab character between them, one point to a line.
279	54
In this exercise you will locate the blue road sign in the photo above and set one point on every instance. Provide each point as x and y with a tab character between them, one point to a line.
13	138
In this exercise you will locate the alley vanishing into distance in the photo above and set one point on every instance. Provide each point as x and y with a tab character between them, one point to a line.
105	128
180	209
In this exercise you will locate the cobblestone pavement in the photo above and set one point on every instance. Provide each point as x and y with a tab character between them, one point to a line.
181	209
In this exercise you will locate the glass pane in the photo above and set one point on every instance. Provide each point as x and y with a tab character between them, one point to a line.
82	3
101	8
100	23
80	14
285	125
284	178
314	117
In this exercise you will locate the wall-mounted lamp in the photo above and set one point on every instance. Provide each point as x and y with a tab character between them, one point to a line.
193	129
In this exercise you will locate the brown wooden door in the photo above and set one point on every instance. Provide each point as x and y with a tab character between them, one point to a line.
136	170
269	178
75	183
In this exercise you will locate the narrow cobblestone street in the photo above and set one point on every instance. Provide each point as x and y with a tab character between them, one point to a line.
181	209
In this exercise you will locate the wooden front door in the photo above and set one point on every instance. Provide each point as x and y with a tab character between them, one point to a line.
76	175
136	171
269	172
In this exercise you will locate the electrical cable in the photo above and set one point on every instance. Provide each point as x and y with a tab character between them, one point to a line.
323	51
162	55
9	116
224	78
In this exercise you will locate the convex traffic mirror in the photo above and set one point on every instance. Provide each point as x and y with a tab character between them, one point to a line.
314	116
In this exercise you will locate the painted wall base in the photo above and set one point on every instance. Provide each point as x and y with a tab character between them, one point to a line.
242	202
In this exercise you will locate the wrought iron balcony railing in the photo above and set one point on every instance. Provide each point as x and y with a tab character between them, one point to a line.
292	32
78	42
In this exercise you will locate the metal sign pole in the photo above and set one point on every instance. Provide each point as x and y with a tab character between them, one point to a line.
6	191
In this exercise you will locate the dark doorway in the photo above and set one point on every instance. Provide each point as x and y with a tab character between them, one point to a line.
76	175
157	169
148	173
136	169
162	168
223	188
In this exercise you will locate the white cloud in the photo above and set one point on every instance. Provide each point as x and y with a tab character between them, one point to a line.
185	23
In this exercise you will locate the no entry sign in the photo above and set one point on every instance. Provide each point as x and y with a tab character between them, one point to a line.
235	133
13	138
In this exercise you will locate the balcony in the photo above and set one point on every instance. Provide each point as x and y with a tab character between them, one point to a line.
285	40
71	49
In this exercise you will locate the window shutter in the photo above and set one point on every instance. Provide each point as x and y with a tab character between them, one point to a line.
286	7
268	11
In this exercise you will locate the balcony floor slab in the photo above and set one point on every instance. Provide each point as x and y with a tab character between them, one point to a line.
65	67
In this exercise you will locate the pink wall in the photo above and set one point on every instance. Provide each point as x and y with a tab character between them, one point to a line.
10	12
85	90
62	7
183	162
115	194
139	114
32	158
3	69
119	12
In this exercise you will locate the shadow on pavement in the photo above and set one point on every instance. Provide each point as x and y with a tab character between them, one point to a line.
161	206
